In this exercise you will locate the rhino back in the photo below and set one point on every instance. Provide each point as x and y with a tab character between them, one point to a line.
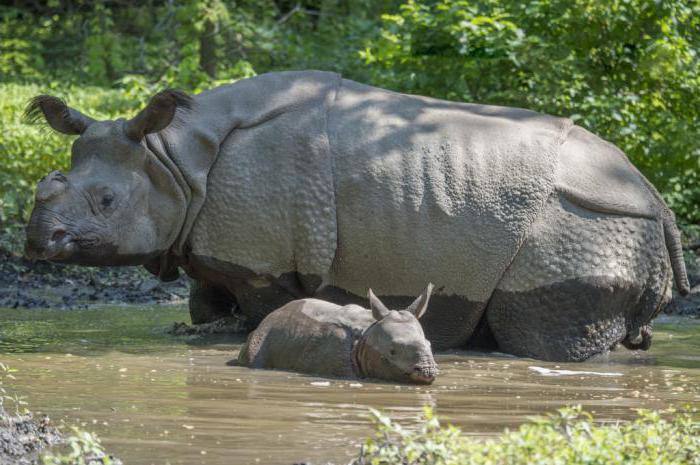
429	190
302	336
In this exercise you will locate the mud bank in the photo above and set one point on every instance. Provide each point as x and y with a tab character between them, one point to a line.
29	284
22	438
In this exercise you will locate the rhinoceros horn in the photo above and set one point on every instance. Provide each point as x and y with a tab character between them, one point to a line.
158	114
60	116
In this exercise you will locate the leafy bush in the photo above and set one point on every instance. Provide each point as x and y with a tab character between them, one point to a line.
6	377
81	448
83	41
567	437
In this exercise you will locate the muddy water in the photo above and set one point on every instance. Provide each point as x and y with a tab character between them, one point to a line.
157	399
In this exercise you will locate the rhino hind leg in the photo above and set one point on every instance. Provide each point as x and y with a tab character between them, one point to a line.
566	321
582	282
209	302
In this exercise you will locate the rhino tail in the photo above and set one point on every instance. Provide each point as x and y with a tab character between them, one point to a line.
672	237
675	252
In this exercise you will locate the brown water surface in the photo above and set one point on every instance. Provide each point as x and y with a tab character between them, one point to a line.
157	399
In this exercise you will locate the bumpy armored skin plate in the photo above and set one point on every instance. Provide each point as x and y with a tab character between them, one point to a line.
580	283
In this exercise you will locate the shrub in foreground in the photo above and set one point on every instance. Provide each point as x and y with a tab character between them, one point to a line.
81	448
568	436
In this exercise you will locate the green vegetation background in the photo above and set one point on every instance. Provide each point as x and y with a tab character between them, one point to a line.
626	69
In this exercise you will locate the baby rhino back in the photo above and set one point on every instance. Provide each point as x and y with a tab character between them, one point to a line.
308	335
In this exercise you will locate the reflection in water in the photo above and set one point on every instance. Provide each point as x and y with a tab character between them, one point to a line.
154	398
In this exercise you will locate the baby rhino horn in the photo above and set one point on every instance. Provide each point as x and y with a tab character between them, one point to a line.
420	305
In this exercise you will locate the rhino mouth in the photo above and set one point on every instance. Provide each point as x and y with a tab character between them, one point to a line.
60	244
423	374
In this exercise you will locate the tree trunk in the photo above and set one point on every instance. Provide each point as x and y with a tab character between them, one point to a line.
207	49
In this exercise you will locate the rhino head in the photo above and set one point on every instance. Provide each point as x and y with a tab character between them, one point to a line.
395	347
118	204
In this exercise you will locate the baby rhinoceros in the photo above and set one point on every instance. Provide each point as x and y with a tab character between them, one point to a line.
318	337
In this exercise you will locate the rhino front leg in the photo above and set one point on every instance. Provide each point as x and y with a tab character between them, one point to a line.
209	302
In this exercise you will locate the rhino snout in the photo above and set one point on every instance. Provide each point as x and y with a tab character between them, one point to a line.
424	373
57	244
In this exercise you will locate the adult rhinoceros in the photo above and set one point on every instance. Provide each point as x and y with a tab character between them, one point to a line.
298	184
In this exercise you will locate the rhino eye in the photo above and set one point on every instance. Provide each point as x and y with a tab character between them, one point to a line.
107	200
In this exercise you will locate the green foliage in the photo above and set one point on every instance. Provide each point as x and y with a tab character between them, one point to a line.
682	194
18	55
444	48
6	376
628	70
100	44
82	448
567	437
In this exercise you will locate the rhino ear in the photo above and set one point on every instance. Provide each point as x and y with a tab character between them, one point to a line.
420	305
60	116
379	310
158	114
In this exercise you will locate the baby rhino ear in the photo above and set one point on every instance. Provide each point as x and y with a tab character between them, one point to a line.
379	310
420	305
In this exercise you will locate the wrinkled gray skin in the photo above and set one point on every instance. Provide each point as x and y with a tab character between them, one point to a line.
318	337
542	238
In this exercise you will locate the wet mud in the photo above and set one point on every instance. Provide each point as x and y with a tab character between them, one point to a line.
38	284
24	439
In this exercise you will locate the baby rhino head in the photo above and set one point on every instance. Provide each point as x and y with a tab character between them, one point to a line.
394	347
